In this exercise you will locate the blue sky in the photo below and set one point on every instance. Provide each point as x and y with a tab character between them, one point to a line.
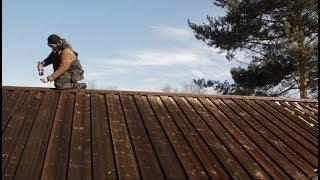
131	45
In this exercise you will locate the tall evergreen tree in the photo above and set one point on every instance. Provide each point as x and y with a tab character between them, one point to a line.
280	39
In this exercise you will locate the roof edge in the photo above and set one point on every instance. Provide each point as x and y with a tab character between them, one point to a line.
159	93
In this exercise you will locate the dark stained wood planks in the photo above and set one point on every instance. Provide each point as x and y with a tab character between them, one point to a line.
28	114
146	156
308	107
256	133
5	97
283	125
303	110
226	159
103	161
188	158
13	105
10	112
80	149
313	105
294	118
206	157
57	157
241	143
161	143
270	132
94	134
38	139
303	114
41	154
124	153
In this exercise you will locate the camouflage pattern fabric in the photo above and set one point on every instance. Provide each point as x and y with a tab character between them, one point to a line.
69	79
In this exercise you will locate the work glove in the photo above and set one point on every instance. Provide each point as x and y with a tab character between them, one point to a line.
44	79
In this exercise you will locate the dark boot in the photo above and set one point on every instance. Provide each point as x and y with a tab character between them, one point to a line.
79	85
62	86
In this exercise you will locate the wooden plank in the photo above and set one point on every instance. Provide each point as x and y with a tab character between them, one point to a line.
146	157
261	149
41	153
242	137
287	126
5	97
125	157
232	146
80	150
57	157
207	158
278	152
215	143
103	160
290	153
13	106
183	150
29	112
301	124
309	137
310	108
247	158
161	144
238	151
313	105
303	110
305	117
9	136
29	155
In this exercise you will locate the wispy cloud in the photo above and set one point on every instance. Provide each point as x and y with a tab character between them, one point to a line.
172	31
147	68
187	35
185	57
152	67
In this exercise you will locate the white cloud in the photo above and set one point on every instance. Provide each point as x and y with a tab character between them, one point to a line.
172	65
185	57
187	35
172	31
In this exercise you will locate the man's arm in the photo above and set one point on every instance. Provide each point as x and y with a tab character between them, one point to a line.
67	57
48	60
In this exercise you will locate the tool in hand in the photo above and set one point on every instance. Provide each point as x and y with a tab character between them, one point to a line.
41	71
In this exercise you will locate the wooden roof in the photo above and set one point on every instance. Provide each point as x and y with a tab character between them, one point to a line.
95	134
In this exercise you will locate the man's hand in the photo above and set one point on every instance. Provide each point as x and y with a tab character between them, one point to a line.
44	79
40	65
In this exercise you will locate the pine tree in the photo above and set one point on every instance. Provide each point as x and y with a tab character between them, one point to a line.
279	39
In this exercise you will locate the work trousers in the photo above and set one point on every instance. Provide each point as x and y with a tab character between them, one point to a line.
64	81
69	79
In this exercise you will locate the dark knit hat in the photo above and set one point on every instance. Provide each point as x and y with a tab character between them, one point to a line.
54	39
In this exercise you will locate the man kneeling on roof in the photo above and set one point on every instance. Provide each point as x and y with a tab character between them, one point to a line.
66	66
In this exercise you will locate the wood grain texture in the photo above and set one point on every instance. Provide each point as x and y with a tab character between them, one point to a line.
80	149
187	156
39	131
110	134
5	97
103	160
57	156
160	141
28	113
124	153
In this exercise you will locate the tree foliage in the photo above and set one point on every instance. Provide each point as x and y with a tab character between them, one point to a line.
278	37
